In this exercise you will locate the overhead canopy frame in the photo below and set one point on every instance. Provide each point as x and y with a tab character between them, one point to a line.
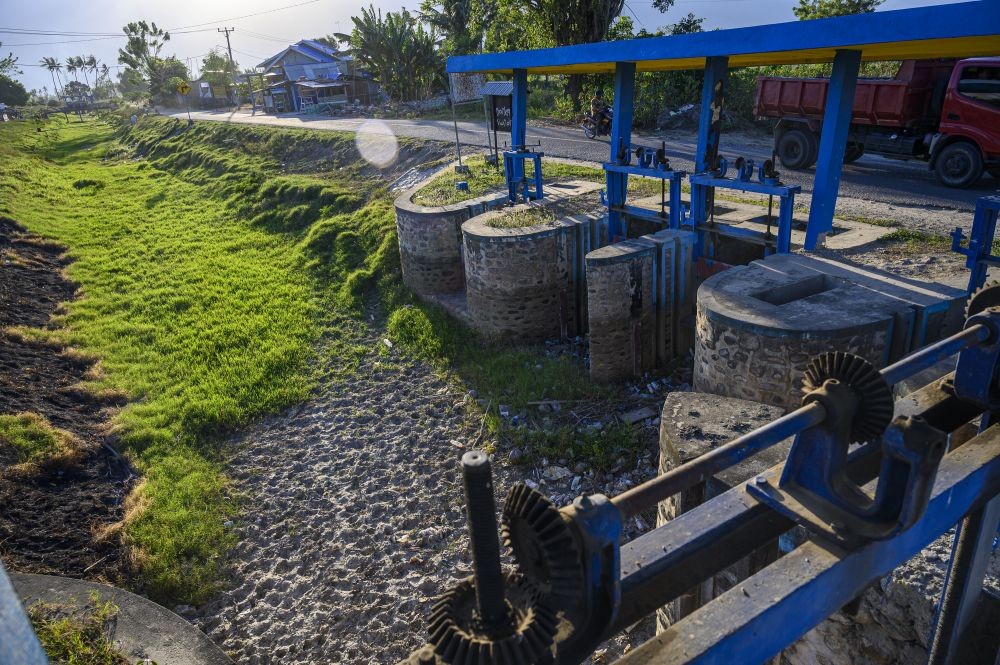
953	31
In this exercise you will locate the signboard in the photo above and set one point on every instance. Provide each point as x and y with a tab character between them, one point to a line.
500	117
184	88
465	87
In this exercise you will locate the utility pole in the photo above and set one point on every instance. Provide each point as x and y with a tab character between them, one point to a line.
232	67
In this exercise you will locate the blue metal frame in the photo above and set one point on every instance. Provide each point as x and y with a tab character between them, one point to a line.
979	253
518	121
832	144
766	44
713	95
702	183
513	164
621	148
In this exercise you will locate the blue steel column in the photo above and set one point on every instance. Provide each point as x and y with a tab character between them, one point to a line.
518	123
832	144
713	96
621	136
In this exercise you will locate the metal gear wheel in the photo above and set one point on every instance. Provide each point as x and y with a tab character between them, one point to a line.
545	550
983	298
875	403
459	639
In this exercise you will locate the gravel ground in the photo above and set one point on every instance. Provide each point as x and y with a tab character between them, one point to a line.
353	518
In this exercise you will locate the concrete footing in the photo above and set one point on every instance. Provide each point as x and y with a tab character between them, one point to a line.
142	628
691	425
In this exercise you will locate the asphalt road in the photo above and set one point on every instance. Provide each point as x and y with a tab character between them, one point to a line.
872	186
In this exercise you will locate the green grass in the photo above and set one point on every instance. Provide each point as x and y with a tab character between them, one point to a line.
29	440
77	637
916	240
484	179
223	272
206	271
522	218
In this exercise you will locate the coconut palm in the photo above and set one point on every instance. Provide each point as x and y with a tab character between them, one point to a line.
53	65
73	65
90	63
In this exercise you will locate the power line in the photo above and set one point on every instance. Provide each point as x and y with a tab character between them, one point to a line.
94	39
236	18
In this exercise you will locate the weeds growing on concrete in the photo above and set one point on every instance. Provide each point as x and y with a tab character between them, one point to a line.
77	636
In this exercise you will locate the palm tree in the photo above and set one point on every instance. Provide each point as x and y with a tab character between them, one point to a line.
105	75
53	65
90	63
73	65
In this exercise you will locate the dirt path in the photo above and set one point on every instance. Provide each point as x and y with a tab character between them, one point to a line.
48	519
352	520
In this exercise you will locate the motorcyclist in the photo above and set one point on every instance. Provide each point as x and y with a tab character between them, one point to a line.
599	110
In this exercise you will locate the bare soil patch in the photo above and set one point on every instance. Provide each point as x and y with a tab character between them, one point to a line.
49	519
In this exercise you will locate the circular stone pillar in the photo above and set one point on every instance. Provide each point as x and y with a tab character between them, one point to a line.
430	241
620	309
757	328
520	282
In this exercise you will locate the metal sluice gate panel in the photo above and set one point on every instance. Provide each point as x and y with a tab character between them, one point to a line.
872	481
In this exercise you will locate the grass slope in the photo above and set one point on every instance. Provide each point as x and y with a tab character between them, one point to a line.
29	440
223	269
202	296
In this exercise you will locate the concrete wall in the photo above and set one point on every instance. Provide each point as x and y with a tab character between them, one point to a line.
759	326
692	424
522	284
621	310
430	241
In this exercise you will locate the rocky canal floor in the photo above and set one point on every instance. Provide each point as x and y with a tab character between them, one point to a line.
353	517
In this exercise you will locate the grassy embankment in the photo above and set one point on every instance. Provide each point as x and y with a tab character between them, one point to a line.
223	271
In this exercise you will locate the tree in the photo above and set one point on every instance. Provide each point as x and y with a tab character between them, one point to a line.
132	86
12	92
577	22
510	25
76	89
397	50
141	55
8	65
810	9
73	65
455	20
686	26
215	68
53	65
90	65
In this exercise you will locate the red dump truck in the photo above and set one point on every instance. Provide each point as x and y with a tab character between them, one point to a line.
944	112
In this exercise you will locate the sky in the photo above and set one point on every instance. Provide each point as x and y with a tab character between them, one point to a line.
264	27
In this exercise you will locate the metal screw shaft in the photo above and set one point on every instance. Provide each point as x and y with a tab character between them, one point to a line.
478	478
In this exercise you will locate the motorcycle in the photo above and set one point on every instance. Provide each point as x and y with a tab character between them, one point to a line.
592	128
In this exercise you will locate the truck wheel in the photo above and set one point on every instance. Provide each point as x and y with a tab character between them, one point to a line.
795	149
958	165
853	152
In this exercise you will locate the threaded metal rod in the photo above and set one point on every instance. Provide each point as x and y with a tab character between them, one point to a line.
483	537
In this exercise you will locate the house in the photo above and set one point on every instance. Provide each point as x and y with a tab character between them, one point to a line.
203	94
308	75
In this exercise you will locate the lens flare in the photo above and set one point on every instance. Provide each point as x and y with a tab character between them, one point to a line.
377	144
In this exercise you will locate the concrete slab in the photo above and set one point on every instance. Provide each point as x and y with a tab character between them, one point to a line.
143	629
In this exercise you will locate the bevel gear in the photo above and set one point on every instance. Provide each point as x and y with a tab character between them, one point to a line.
986	296
541	541
874	396
460	639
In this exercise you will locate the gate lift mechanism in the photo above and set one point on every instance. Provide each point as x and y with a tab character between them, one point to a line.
768	182
870	488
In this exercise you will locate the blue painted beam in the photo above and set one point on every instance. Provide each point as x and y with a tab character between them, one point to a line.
621	141
968	19
713	96
518	125
832	144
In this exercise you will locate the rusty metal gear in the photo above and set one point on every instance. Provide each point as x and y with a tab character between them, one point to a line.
986	296
874	395
545	550
459	638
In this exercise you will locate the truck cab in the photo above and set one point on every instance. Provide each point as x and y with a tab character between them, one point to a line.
944	112
968	136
